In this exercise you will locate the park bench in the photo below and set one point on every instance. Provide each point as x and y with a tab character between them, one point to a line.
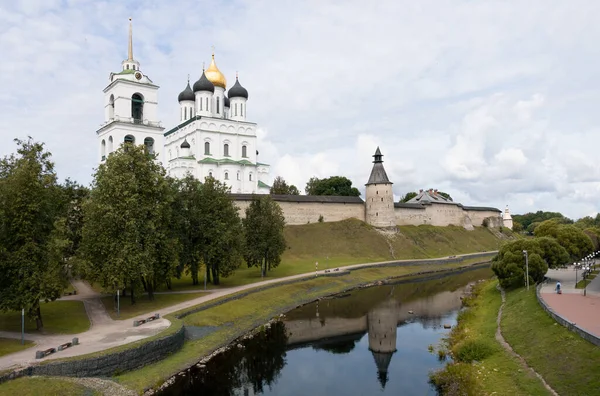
137	323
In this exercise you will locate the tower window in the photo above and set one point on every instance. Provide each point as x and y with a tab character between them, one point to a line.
225	149
238	175
241	110
218	105
129	139
103	149
149	145
250	177
137	107
236	109
200	104
111	107
226	176
206	148
127	67
209	174
381	199
110	144
207	109
185	113
244	152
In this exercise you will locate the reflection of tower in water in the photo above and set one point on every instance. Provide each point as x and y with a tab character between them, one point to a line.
382	324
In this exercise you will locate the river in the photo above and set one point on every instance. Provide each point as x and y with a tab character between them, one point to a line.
371	341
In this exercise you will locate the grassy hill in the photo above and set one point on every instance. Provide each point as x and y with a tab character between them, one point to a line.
352	241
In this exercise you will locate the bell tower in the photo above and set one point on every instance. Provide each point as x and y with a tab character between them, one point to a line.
379	205
130	109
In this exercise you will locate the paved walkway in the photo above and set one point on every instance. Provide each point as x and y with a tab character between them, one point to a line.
106	333
572	304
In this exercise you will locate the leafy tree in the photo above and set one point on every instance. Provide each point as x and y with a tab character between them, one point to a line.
408	196
281	187
126	235
30	260
221	234
517	227
334	185
573	239
594	234
263	229
445	195
528	219
509	263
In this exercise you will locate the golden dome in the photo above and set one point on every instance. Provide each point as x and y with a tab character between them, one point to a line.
214	75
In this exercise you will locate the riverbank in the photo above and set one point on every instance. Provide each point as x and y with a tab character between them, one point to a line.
482	366
222	324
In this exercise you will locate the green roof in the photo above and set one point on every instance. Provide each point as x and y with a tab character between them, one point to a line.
260	163
187	157
182	125
262	185
127	71
224	161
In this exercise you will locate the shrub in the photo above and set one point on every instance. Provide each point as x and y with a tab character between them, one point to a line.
473	350
455	379
321	218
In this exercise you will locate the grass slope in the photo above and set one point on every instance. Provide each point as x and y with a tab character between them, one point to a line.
482	366
351	241
59	317
144	305
567	362
35	386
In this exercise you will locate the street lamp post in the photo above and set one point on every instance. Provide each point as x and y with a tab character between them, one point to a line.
526	268
23	326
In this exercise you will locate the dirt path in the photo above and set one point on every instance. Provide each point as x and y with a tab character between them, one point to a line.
509	349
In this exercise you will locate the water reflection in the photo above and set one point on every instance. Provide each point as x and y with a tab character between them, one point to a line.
323	348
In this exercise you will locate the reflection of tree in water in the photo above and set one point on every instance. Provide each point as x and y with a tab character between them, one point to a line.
238	371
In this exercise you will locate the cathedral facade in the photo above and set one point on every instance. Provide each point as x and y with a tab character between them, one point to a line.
213	136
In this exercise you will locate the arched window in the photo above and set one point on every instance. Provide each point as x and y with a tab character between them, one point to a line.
226	150
218	105
250	177
238	175
244	152
241	109
133	67
127	67
206	148
185	113
200	104
103	149
111	107
209	174
129	139
110	144
235	109
207	109
137	107
226	175
149	145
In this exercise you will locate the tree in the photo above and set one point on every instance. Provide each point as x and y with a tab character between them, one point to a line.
127	240
221	235
408	196
30	263
280	187
263	230
445	195
509	263
334	185
528	219
572	238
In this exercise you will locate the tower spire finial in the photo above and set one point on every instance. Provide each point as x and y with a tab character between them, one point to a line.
202	67
130	51
236	74
212	47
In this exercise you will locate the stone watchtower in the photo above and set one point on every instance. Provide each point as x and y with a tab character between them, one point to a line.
379	205
382	324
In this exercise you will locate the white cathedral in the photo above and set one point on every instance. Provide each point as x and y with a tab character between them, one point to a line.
212	138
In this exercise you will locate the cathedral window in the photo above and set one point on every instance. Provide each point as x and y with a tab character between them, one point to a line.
149	145
137	107
206	148
218	105
226	176
226	150
244	152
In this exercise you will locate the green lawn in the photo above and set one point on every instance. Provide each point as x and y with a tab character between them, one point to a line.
59	317
237	317
583	283
144	305
42	386
8	346
566	361
496	372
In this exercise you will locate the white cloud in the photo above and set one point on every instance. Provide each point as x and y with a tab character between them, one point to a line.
493	102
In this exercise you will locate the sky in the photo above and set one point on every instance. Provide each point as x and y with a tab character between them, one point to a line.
492	101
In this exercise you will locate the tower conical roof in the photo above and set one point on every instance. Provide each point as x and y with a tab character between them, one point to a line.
203	84
382	361
237	91
186	94
378	174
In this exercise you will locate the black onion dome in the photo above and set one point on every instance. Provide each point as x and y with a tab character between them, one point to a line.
203	84
237	91
185	144
187	94
226	101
